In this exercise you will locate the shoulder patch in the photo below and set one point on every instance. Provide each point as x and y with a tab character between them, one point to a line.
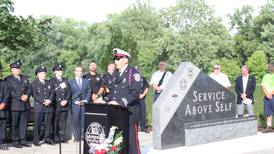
137	77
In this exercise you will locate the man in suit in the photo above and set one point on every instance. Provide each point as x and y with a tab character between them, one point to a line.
61	92
20	91
4	96
125	92
80	95
42	93
245	86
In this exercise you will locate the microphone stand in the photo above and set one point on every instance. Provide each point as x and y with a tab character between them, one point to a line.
59	134
80	125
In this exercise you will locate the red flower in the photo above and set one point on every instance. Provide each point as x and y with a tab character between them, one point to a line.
102	151
113	148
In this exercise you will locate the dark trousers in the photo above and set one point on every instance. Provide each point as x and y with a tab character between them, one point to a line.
60	121
156	95
134	147
39	118
78	115
142	104
2	130
19	121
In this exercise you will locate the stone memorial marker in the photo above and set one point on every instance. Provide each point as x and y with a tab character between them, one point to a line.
195	109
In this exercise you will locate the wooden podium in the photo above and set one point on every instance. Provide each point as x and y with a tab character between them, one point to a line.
99	118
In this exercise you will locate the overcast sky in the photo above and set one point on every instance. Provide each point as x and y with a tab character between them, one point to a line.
97	10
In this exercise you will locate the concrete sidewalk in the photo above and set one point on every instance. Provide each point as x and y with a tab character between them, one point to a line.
257	144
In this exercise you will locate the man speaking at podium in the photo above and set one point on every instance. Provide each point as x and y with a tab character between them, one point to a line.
125	92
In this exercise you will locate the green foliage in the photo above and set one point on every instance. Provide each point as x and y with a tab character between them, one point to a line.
257	64
229	67
253	33
195	35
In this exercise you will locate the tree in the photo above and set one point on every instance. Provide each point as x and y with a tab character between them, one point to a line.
195	35
257	64
253	33
142	24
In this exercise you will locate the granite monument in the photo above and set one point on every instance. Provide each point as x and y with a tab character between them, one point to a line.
195	109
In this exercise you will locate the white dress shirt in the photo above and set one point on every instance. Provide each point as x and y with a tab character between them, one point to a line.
156	77
245	80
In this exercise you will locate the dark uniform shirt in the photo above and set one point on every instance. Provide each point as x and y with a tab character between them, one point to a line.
126	90
108	80
144	84
40	93
4	96
96	82
61	91
17	88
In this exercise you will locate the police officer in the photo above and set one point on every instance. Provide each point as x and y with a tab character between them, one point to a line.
96	82
20	91
61	93
42	93
125	92
142	102
108	78
4	96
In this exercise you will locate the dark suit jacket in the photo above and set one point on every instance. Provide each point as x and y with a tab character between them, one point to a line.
125	90
17	89
40	92
250	88
78	94
4	97
60	94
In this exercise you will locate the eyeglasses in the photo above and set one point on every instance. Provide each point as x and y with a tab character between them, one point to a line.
216	68
118	58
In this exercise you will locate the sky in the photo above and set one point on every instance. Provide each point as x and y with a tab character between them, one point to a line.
97	10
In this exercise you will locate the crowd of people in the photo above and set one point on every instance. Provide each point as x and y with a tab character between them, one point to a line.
121	85
56	97
245	86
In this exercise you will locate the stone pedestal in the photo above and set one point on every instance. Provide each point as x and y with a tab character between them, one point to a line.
212	131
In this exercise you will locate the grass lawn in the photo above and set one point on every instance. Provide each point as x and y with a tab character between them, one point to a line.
258	106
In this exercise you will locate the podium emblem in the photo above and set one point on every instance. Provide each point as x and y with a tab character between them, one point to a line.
94	133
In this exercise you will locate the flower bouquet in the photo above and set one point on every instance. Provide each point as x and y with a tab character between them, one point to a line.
110	145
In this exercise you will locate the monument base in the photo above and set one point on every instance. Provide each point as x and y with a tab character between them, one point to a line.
212	131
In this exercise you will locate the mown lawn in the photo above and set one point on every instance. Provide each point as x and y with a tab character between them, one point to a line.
258	106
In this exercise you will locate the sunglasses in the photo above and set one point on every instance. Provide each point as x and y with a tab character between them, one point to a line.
216	68
118	58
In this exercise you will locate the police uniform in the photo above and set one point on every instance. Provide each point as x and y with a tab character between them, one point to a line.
142	104
20	109
42	91
125	91
61	92
4	96
108	81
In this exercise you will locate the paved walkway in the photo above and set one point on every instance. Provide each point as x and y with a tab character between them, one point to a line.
257	144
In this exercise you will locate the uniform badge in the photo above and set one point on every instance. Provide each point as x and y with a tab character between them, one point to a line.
63	85
97	78
137	77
